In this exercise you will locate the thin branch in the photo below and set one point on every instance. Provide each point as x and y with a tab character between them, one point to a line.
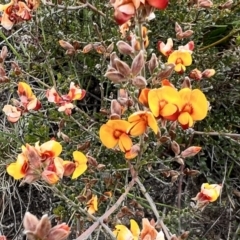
65	7
235	135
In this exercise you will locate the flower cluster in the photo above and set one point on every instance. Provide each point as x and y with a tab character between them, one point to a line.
43	162
126	9
17	11
209	193
42	229
148	231
180	58
65	101
28	101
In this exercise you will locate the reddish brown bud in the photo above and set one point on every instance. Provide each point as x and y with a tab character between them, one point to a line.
138	63
122	67
195	74
186	83
175	147
139	82
124	48
153	63
115	76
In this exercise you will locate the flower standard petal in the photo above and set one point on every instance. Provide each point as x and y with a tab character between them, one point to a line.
107	137
81	164
51	148
154	98
199	104
25	90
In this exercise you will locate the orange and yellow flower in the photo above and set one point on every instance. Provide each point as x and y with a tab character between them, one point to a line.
92	204
181	59
143	96
148	231
49	149
114	133
19	168
164	102
194	107
13	114
166	49
209	193
121	232
27	98
140	121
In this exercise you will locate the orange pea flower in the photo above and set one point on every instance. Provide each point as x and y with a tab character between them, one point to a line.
50	177
121	232
166	49
13	114
92	204
27	98
209	193
65	101
148	231
125	9
17	11
181	59
194	107
19	168
49	149
164	102
114	133
140	121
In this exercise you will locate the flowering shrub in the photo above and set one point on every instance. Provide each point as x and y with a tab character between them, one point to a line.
153	95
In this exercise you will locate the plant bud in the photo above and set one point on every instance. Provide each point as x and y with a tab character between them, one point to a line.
195	74
124	48
166	73
133	152
188	34
116	107
3	54
110	48
191	151
186	83
208	73
87	48
205	3
226	5
115	76
139	82
178	28
65	45
175	147
179	160
153	63
113	56
122	67
138	63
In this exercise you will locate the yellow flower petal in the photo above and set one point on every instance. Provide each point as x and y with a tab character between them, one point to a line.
14	170
25	89
106	135
81	164
125	142
152	123
137	128
122	233
169	110
51	148
199	104
134	228
154	98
